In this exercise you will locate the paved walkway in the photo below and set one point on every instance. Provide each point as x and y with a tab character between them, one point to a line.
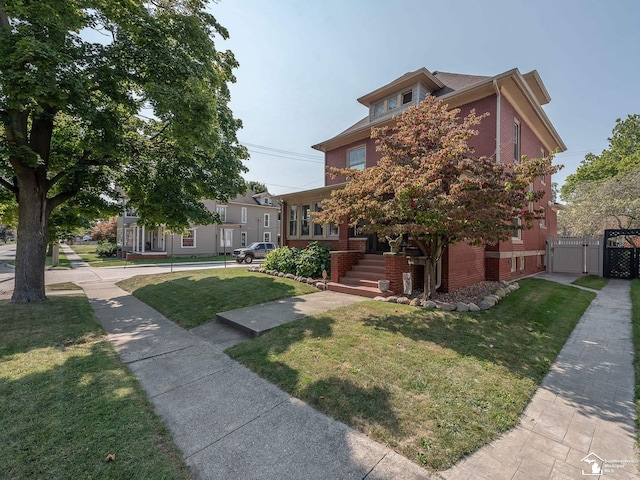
231	424
583	414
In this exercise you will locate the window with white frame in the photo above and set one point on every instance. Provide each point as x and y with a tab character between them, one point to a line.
522	263
188	239
293	220
516	234
267	220
407	97
267	237
516	142
222	213
305	222
317	228
513	264
243	239
356	157
243	215
333	229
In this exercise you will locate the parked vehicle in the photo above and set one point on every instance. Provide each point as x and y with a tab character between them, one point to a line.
255	250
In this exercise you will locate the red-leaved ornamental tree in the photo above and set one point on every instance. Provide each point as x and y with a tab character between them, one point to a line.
428	184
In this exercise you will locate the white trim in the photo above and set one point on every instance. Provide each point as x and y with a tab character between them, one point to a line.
266	237
182	245
517	140
243	215
266	222
353	149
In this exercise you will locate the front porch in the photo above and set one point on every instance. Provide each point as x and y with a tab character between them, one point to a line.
140	243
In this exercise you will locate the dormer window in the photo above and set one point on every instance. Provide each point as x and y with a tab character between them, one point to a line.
393	102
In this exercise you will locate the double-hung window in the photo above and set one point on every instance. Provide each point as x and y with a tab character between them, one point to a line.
267	220
188	239
356	158
305	220
293	220
516	142
222	213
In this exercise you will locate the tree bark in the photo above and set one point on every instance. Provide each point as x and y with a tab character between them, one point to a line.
32	239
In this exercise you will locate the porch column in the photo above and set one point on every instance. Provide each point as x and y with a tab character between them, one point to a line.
144	239
136	247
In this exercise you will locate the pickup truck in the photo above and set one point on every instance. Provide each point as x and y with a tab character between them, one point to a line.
255	250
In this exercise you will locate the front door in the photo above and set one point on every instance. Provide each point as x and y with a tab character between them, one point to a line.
374	245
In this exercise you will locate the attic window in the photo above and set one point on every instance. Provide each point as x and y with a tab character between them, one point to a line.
378	109
392	103
407	97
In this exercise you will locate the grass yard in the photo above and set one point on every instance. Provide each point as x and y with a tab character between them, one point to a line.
62	286
591	281
192	298
635	318
68	402
433	385
88	253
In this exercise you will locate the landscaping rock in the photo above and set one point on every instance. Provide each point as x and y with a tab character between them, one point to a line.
310	281
403	300
462	307
380	298
484	305
392	299
415	302
429	304
290	276
321	286
449	307
490	299
473	307
280	274
501	292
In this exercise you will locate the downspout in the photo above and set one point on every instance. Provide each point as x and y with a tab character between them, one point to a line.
498	96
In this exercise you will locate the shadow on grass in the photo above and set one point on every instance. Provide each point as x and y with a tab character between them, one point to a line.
523	333
65	408
338	397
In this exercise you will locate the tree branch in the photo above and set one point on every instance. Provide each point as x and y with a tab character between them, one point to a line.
8	185
4	19
59	199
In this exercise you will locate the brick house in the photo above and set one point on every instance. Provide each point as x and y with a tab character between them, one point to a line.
245	219
517	125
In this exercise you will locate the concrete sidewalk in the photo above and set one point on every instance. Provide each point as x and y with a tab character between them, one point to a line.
583	414
229	423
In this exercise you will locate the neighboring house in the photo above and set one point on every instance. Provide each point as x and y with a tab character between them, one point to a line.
517	125
247	218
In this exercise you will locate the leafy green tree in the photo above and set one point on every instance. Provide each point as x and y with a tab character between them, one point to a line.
257	187
78	83
610	203
429	185
623	155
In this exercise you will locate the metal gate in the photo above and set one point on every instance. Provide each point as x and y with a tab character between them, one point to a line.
575	254
622	253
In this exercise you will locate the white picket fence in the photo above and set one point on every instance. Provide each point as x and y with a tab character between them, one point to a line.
575	254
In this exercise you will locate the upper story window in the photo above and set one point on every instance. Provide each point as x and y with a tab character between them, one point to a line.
356	157
267	220
222	212
243	215
393	102
516	142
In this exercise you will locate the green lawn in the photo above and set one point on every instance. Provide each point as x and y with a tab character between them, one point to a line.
433	385
591	281
192	298
635	318
88	253
67	402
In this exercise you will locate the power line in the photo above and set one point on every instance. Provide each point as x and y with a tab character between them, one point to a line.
288	158
277	150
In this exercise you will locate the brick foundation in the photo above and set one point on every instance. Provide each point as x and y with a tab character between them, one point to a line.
342	261
394	266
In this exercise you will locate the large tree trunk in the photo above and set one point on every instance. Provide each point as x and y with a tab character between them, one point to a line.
32	240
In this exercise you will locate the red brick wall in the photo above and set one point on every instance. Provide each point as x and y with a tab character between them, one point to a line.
338	158
394	267
462	265
500	269
342	262
483	144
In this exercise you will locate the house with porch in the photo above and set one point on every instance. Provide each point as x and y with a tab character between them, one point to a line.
252	217
517	125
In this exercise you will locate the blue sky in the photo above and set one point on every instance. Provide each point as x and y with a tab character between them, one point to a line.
304	63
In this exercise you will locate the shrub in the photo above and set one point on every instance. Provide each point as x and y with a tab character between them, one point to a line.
282	259
106	249
309	262
306	262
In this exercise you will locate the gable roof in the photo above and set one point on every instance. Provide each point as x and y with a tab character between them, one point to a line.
459	89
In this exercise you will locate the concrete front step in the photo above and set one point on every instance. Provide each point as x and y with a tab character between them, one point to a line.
353	274
362	291
359	282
